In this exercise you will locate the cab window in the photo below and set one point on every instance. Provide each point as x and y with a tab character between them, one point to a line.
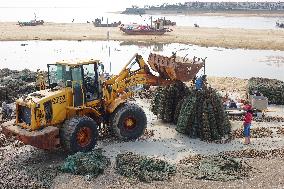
77	74
58	74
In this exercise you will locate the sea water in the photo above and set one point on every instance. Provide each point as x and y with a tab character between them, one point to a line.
240	63
83	15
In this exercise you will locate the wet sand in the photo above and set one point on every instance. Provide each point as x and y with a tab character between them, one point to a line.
227	38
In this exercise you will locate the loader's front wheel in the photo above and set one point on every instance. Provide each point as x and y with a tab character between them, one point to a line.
129	121
79	134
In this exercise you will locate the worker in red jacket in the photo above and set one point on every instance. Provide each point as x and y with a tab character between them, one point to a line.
247	124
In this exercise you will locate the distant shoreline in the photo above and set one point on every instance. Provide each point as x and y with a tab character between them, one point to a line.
231	13
214	37
236	13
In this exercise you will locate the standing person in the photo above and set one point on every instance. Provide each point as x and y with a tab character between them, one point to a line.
200	82
247	125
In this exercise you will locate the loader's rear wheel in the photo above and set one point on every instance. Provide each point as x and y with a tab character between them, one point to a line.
129	121
79	134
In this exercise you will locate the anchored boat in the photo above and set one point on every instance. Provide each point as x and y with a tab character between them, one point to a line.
98	23
148	31
158	29
33	22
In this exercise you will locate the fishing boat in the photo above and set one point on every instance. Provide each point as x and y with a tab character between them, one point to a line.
158	29
98	23
166	22
33	22
148	31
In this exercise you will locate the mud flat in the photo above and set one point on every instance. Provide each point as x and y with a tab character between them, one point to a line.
217	37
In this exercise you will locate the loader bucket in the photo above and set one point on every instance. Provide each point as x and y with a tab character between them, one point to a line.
175	68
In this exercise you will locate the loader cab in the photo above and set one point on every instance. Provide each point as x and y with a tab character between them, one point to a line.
83	77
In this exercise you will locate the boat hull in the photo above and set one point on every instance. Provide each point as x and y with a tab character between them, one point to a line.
144	32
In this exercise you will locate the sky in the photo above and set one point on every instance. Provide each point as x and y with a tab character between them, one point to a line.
105	4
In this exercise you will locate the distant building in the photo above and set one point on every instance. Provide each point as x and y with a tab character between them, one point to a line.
235	5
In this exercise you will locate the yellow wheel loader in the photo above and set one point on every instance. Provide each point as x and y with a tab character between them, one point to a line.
79	99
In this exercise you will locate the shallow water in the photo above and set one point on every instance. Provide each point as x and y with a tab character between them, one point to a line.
220	62
90	14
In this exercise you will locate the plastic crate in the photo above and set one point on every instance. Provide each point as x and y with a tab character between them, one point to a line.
259	102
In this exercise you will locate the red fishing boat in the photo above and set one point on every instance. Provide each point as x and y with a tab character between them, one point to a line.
158	29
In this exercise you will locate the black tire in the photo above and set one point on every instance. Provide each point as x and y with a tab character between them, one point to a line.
128	112
71	130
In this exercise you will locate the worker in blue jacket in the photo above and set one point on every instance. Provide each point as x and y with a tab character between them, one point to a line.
200	82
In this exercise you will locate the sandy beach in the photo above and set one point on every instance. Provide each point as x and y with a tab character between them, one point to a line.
227	38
